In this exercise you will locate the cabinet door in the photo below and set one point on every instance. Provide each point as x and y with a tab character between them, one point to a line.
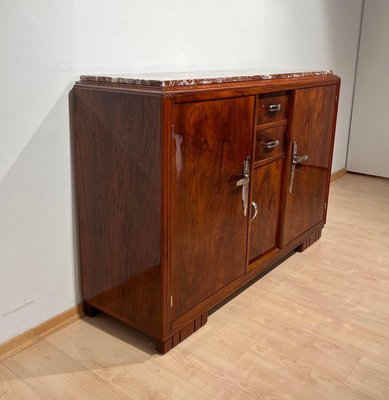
311	134
266	188
211	140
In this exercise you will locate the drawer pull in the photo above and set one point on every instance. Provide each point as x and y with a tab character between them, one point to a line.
255	205
273	107
271	145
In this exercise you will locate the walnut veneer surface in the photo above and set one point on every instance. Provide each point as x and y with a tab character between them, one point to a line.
161	166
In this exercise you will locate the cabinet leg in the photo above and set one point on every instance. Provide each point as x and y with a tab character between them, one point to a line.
308	242
90	311
166	345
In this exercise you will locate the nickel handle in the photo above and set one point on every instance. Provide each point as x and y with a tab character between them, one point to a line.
244	182
272	144
255	205
296	159
273	107
299	159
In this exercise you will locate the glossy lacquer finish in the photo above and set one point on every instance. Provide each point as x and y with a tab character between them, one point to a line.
312	130
211	139
269	142
162	234
266	188
272	107
117	143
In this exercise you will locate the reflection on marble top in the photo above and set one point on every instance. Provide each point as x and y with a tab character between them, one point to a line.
166	79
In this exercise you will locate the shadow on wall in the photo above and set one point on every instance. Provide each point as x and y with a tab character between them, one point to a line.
38	258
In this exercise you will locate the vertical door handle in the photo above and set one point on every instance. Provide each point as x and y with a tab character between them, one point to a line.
296	159
244	182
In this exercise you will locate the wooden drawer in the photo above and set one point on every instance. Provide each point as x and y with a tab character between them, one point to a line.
269	142
272	107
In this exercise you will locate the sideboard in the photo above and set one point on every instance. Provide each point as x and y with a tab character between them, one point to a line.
189	186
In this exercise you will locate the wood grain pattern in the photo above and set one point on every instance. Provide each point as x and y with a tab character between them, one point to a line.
54	375
179	336
263	137
208	228
162	232
315	327
117	142
311	127
371	377
257	269
309	242
264	114
266	186
14	388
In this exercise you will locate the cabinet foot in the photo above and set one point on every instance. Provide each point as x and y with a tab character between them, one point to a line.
310	241
166	345
90	311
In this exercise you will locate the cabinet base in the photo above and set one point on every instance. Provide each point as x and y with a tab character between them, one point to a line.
166	345
309	242
90	311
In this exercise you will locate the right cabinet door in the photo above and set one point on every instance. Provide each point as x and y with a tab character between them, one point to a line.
309	159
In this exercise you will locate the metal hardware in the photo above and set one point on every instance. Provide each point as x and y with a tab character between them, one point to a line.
244	182
296	159
171	301
299	159
255	205
273	107
271	145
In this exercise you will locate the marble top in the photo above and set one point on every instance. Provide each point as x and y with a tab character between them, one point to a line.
167	79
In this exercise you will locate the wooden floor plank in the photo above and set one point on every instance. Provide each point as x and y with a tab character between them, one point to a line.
350	337
54	375
123	358
300	345
14	388
300	379
372	378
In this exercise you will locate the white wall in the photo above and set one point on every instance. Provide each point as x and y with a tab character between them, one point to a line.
45	45
369	136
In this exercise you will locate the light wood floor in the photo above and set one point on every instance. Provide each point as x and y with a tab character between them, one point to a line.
316	327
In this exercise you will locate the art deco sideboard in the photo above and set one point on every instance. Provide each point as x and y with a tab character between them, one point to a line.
190	187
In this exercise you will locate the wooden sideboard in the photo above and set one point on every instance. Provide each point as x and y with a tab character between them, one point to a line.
190	187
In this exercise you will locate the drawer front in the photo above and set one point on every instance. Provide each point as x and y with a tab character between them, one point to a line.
272	107
269	142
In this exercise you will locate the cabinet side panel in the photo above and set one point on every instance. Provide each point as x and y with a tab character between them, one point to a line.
117	145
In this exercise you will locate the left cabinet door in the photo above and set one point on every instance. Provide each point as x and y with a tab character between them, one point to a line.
208	246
